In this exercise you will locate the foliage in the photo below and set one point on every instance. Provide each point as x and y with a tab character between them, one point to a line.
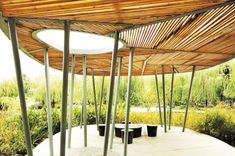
218	122
8	88
229	91
210	88
39	91
11	127
11	133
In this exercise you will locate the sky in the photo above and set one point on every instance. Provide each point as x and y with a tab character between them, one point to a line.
7	66
34	69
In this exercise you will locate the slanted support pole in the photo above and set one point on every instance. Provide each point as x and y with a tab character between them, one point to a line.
128	100
64	87
101	97
145	63
48	101
110	100
81	116
158	98
171	100
71	101
94	94
84	100
164	98
188	100
115	102
14	42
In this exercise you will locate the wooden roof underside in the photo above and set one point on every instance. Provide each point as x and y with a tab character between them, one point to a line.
165	32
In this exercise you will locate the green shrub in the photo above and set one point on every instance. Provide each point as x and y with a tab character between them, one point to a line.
3	104
220	123
12	139
39	125
11	134
10	103
76	116
145	117
91	117
8	88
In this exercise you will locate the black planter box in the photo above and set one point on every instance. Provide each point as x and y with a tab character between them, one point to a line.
137	132
152	130
101	129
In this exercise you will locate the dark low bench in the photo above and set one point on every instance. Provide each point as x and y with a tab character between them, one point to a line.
136	128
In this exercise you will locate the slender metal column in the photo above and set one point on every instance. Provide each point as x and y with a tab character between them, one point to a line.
189	94
115	103
14	42
84	100
48	101
171	100
71	101
164	98
110	100
101	97
94	94
65	87
128	100
158	98
81	116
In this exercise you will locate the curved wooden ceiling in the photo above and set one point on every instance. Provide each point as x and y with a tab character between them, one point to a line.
181	33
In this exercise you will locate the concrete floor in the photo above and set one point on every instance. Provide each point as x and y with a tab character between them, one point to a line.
172	143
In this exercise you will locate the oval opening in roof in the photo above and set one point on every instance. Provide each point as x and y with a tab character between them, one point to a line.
80	42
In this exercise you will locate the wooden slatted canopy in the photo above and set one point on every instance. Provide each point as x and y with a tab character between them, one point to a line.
183	33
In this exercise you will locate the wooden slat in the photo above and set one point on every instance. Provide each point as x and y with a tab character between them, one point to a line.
115	11
202	39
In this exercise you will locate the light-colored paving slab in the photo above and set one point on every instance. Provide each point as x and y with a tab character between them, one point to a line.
172	143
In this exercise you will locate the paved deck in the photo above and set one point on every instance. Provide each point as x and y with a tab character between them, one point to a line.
172	143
